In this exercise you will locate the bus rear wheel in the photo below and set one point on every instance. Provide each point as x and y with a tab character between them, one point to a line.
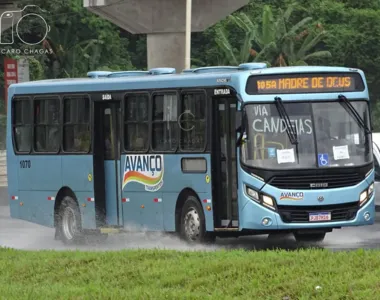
310	238
69	223
193	224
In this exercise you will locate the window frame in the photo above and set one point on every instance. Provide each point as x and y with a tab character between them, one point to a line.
45	97
13	125
149	121
162	93
195	158
62	124
206	121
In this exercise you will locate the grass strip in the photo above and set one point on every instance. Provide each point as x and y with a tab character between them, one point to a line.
166	274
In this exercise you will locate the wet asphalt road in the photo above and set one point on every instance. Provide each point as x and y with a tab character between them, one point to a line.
24	235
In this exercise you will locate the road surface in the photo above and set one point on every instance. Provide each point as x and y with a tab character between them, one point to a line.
24	235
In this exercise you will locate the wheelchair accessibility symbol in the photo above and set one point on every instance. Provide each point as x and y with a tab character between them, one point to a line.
323	159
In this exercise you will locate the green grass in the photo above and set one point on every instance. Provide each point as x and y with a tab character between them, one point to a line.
164	274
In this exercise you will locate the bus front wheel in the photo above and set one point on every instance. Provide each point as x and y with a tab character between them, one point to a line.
193	225
69	224
310	238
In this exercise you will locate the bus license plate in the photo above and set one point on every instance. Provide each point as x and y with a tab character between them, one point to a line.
322	216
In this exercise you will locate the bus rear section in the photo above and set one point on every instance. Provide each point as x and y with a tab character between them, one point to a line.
306	163
63	159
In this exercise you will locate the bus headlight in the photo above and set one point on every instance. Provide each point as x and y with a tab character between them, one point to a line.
268	200
253	194
260	198
366	194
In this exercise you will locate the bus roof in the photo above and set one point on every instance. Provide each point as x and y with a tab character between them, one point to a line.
160	78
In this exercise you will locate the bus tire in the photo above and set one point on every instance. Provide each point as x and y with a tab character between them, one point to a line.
193	224
69	222
309	238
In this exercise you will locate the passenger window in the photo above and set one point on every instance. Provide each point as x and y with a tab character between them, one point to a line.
22	124
165	123
46	124
76	124
136	122
193	122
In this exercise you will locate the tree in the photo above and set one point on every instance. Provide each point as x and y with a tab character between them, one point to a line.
302	55
274	41
353	38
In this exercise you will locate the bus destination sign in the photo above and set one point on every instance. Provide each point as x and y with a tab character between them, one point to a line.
304	83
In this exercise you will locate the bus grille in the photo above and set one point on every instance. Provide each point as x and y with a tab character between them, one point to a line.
314	182
300	214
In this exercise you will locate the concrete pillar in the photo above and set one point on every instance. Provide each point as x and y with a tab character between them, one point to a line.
164	22
166	50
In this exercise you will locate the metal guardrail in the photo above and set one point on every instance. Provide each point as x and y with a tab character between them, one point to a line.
3	169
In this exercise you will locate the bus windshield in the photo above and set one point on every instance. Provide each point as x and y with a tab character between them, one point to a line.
327	134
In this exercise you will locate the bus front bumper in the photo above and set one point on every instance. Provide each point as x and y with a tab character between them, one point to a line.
254	216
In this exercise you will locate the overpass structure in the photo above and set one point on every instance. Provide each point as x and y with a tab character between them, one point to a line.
164	22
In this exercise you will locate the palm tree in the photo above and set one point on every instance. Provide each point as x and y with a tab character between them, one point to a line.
271	42
300	56
233	56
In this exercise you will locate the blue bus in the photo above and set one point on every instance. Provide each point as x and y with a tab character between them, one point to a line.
205	153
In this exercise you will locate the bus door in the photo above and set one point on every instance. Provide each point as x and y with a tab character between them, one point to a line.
224	161
106	149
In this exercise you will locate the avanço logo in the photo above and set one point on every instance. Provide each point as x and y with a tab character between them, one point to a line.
295	196
147	170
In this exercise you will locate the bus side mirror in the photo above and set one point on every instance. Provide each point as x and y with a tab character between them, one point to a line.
377	175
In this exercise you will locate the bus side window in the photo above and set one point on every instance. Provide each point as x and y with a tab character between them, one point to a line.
136	122
46	124
193	122
22	124
76	124
165	122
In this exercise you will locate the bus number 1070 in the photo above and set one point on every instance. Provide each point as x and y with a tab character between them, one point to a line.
25	164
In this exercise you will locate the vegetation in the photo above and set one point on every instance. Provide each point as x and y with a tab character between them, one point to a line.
275	40
153	274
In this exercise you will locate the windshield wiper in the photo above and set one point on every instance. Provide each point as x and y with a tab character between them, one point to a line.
292	133
351	109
